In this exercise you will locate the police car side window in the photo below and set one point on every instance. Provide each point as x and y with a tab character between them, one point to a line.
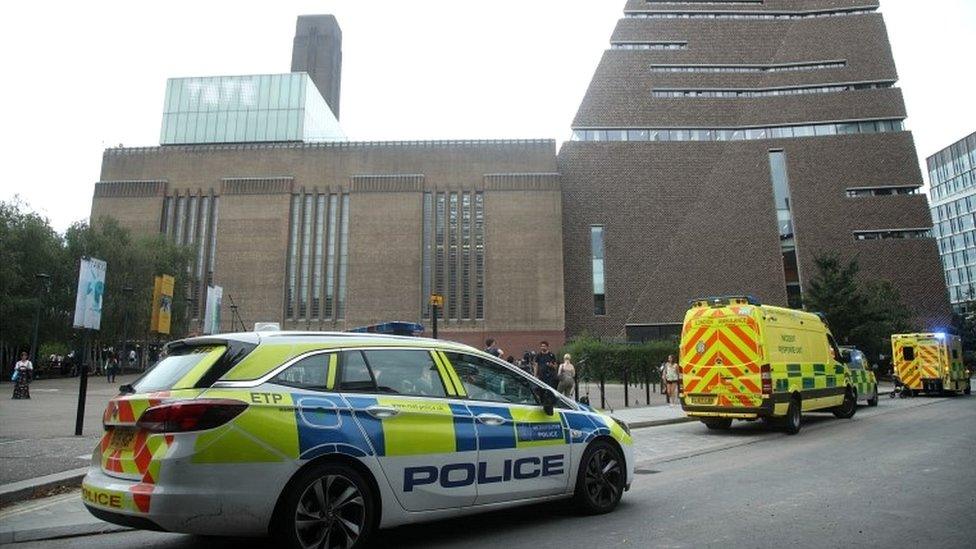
308	373
484	380
405	372
354	374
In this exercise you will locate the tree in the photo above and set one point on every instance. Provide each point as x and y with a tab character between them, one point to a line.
859	313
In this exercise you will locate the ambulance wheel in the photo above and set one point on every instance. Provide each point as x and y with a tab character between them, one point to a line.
791	423
600	480
327	505
849	407
873	401
718	423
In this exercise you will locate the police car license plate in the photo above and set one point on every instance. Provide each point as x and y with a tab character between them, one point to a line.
122	438
702	400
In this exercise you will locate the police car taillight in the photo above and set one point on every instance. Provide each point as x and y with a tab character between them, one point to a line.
767	379
191	415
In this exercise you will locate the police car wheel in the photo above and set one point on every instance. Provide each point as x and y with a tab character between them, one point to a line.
600	481
848	408
718	424
327	506
793	415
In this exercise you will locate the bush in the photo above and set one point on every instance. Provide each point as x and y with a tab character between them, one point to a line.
594	358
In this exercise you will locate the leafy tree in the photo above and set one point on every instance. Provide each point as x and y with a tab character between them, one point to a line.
859	313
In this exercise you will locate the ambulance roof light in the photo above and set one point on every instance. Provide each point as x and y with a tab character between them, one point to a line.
724	300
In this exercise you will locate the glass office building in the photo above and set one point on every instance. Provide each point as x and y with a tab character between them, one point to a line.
246	109
952	175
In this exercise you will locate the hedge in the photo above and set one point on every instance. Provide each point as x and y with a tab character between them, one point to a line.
594	358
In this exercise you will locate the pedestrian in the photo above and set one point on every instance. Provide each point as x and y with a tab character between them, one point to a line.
493	349
545	365
111	367
670	368
566	376
132	359
23	371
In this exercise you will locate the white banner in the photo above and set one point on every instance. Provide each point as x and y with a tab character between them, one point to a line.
211	318
91	290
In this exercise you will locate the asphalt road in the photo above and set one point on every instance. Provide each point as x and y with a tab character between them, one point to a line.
898	475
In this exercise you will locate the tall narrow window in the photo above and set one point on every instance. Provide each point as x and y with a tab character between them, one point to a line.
784	216
293	255
165	227
465	256
215	215
343	257
427	253
306	256
452	258
441	246
330	255
479	256
180	218
596	251
202	246
191	240
317	263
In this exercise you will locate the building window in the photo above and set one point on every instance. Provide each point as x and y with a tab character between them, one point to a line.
317	262
191	220
766	92
330	259
784	67
180	218
215	214
440	263
893	234
599	282
787	237
751	15
881	191
343	258
737	134
479	256
465	256
293	256
649	45
452	257
166	225
427	253
306	265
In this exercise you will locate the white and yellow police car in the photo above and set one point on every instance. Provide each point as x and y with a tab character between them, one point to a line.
318	439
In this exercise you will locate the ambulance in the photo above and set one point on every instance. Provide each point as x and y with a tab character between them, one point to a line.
744	360
930	363
319	439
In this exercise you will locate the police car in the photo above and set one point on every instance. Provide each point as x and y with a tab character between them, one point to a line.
321	438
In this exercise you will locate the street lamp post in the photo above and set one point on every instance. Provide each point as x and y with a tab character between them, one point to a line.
233	316
126	290
42	279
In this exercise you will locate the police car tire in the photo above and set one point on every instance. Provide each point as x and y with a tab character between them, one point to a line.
849	407
873	401
593	486
793	420
284	528
718	424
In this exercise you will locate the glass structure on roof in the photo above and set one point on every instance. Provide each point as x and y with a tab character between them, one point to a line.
246	109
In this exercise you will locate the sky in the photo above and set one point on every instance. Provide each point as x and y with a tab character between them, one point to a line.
83	76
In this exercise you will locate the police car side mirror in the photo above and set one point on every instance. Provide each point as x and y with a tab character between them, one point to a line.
547	399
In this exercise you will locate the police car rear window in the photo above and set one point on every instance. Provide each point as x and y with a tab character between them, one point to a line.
175	370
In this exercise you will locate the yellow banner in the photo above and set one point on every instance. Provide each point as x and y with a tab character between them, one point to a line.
162	306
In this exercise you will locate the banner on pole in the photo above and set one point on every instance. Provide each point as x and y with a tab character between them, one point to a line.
211	318
91	290
162	307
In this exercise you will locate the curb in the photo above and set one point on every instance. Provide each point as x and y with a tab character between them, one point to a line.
659	422
55	532
31	488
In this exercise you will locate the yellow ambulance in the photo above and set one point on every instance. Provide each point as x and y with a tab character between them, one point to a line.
744	360
930	363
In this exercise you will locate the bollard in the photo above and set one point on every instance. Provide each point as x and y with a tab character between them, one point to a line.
647	383
626	389
603	389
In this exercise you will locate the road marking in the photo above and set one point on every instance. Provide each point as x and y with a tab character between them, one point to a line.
46	502
85	457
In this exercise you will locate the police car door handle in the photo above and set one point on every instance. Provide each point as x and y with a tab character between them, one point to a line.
382	412
490	419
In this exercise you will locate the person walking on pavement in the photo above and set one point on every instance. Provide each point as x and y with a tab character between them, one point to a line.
566	376
111	368
670	369
545	365
23	371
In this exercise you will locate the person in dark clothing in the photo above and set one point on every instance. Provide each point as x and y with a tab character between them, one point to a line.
545	365
492	349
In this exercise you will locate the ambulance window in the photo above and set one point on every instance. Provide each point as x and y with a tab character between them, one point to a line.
354	374
485	380
405	372
908	353
833	348
308	373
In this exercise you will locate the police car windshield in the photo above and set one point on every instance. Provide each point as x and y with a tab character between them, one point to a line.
166	373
